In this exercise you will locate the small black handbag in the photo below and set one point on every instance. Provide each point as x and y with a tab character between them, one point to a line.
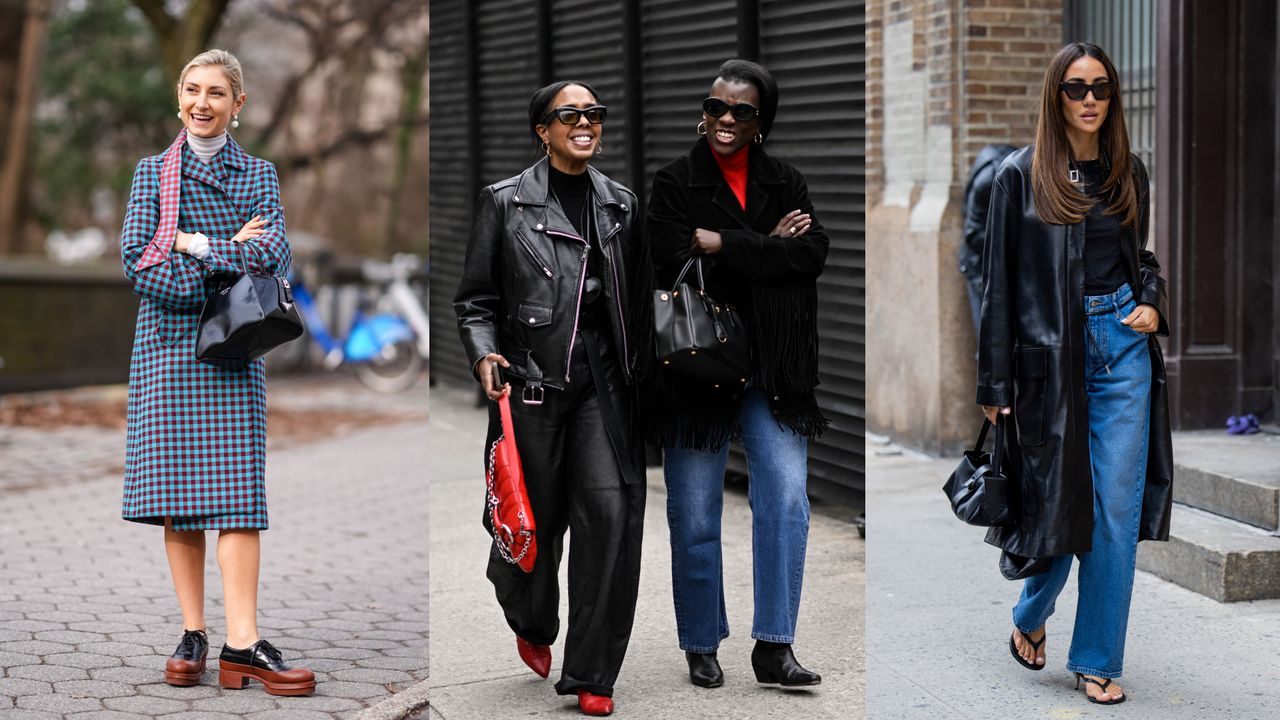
698	337
978	491
244	318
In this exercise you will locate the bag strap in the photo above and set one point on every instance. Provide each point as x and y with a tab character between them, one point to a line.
997	452
982	436
693	262
508	426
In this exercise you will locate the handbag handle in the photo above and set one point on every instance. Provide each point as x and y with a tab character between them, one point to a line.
696	260
997	452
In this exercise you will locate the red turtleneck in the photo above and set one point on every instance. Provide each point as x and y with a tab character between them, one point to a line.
734	170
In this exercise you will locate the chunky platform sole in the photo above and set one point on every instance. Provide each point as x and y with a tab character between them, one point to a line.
236	677
184	679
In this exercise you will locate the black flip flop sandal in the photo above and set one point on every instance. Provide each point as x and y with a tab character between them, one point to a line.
1104	685
1013	649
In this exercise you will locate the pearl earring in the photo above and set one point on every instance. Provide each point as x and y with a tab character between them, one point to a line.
179	114
235	123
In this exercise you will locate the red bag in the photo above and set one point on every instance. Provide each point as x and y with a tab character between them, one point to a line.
510	513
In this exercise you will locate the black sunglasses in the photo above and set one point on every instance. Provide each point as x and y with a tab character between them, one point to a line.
1076	90
570	115
715	107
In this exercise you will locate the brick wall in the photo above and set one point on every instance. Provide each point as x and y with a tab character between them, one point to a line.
1005	46
983	64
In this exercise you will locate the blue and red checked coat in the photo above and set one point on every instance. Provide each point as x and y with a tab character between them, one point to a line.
195	446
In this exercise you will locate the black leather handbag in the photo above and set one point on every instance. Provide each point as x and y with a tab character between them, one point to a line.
698	337
244	318
978	491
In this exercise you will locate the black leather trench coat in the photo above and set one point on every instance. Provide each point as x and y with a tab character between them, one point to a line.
1031	357
522	282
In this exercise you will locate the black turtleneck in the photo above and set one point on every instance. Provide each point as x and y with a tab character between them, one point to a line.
573	192
1104	269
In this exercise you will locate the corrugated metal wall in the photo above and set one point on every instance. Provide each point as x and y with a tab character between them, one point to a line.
816	51
652	62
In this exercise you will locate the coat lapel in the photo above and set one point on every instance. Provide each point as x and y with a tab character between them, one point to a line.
193	168
704	172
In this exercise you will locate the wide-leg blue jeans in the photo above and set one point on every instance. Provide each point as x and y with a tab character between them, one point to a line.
777	464
1118	381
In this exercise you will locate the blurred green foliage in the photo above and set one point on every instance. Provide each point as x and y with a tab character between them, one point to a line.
105	102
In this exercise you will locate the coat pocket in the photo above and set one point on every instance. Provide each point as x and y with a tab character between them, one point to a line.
533	315
544	267
1031	368
171	326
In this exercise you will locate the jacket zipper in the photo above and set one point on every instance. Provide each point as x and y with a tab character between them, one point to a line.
622	322
537	259
577	306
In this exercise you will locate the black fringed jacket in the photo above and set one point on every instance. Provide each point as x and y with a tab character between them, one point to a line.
771	279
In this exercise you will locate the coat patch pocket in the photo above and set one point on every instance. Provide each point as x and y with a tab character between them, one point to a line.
171	327
1031	367
534	315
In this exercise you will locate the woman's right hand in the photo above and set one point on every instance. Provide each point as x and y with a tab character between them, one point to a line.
489	377
251	230
992	412
793	224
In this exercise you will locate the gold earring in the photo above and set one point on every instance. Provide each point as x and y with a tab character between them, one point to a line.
600	148
546	148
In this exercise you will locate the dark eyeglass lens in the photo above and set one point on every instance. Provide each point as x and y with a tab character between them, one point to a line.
1077	90
569	116
717	108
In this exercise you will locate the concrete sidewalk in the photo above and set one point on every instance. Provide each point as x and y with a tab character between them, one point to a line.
938	623
475	672
87	611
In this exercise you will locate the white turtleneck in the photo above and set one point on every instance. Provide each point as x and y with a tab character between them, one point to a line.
206	148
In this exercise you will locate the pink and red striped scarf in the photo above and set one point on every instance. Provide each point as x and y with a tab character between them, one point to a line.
170	192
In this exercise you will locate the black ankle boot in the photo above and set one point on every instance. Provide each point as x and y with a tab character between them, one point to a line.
774	663
704	670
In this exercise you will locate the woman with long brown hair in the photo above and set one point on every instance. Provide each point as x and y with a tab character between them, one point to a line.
1072	302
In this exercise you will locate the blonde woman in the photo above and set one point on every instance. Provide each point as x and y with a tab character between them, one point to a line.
196	436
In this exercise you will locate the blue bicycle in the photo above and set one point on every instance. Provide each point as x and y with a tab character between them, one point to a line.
388	346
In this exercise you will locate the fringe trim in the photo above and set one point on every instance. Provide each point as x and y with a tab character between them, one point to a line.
810	423
785	336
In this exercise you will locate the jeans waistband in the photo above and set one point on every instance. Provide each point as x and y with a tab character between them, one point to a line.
1098	304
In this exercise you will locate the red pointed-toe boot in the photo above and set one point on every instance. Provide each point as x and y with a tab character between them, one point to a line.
591	704
537	657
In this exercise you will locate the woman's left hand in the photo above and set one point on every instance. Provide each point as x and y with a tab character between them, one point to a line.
1144	319
706	241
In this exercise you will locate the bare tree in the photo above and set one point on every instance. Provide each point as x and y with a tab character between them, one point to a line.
187	35
25	24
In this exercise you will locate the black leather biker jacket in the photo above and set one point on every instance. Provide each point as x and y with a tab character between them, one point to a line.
523	280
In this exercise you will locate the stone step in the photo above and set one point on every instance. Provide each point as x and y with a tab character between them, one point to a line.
1236	476
1214	556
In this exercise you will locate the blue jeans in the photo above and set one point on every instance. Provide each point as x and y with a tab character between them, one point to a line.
777	463
1118	382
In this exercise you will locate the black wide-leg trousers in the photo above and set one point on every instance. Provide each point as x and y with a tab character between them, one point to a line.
578	479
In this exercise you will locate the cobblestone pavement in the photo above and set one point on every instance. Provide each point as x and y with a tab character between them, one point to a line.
87	613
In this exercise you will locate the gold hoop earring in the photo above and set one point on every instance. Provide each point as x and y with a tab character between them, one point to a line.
546	148
702	128
759	138
600	148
